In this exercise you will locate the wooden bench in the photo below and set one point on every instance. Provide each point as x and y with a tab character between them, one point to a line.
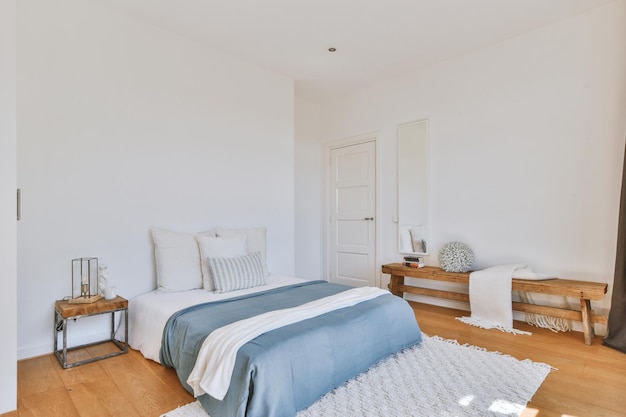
584	290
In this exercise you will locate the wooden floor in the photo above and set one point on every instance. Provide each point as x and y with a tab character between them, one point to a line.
590	380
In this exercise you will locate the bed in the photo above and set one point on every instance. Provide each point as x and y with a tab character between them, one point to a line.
302	339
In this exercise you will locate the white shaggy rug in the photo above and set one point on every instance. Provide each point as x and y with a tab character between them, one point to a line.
437	378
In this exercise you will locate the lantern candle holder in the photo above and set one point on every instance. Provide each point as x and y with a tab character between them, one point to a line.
85	281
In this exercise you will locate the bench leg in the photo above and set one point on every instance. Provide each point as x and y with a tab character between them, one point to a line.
394	285
585	309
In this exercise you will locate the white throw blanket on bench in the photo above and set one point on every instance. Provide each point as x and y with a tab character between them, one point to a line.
490	298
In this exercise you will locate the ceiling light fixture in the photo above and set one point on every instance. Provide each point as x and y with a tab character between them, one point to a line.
332	49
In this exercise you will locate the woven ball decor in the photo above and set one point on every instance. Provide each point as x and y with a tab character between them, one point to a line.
456	257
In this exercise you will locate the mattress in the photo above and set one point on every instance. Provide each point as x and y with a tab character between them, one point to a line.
149	312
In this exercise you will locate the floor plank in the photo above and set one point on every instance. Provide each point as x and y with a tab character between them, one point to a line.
102	398
35	376
55	402
147	393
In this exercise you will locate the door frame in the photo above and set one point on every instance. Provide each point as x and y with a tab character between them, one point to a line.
341	143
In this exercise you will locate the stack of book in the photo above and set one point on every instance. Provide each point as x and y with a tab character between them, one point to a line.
413	262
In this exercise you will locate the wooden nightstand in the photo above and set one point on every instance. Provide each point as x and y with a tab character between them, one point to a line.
63	311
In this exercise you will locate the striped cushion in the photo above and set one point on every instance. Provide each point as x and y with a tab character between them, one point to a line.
230	274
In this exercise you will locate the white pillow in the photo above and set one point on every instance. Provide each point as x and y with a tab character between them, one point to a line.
219	247
256	241
230	274
177	260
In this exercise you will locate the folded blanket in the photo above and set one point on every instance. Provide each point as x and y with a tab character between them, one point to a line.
528	274
213	369
556	324
490	298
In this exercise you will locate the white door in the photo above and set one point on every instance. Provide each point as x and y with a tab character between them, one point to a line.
352	229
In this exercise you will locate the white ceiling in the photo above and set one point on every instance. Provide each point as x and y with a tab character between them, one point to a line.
375	39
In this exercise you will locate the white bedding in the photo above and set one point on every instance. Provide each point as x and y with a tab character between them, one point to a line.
148	313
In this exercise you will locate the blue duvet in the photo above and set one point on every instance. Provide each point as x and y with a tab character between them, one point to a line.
284	371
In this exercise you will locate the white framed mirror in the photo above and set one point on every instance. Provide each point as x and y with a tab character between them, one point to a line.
414	188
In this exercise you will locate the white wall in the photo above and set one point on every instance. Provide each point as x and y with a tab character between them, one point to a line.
527	145
123	127
308	190
8	229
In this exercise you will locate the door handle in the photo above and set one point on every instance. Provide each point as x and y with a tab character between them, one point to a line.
19	204
368	218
